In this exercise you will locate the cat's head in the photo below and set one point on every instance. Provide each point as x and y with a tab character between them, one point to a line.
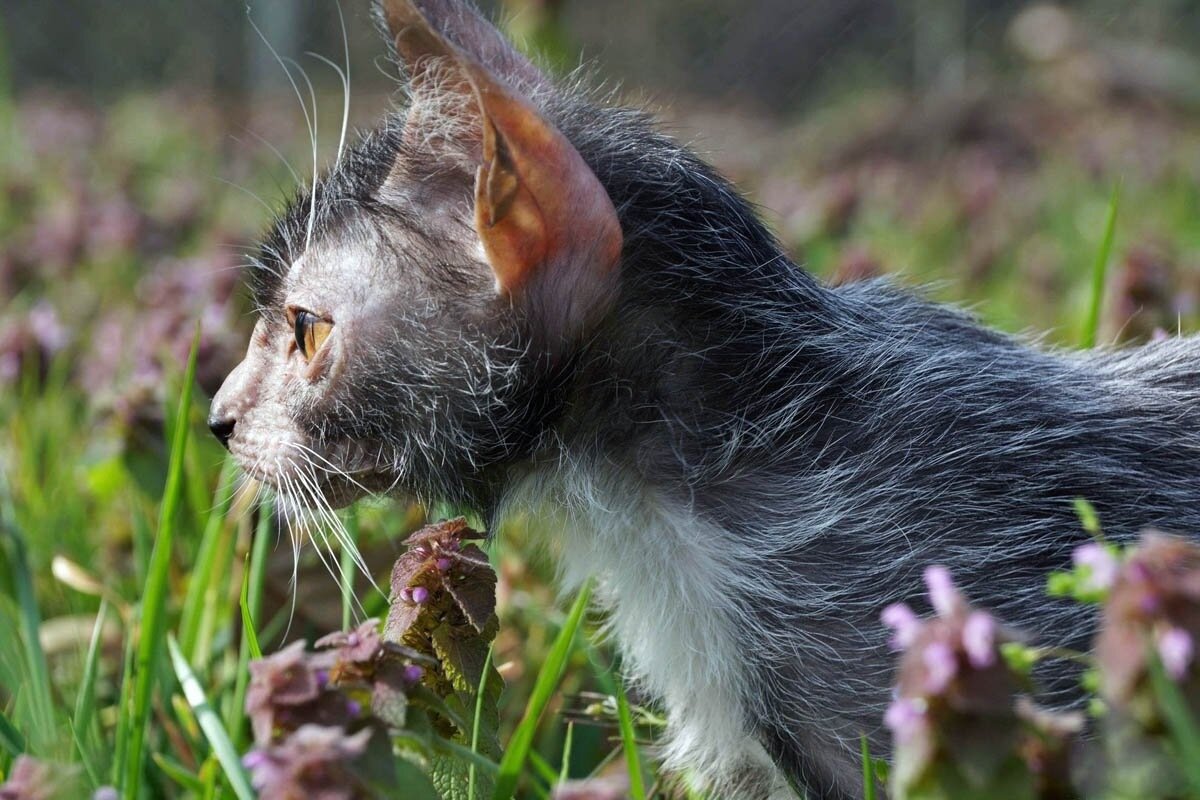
416	306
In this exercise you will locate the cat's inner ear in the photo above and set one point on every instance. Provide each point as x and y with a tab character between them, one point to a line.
547	225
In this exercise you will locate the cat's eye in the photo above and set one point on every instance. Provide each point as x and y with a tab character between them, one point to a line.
311	332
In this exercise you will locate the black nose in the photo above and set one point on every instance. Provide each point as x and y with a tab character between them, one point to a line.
222	428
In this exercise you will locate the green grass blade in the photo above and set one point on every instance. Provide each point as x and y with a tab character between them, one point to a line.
84	757
210	723
637	787
548	677
252	586
487	667
1100	272
11	740
179	773
564	770
543	770
1185	731
347	568
41	702
154	598
248	632
251	599
867	769
85	702
126	707
199	590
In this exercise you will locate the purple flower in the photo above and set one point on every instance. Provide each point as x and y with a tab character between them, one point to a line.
906	718
941	666
979	639
284	679
413	673
46	328
31	779
942	594
420	594
1101	565
1175	648
901	619
312	762
443	564
358	646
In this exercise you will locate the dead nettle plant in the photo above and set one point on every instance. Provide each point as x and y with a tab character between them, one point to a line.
963	721
410	711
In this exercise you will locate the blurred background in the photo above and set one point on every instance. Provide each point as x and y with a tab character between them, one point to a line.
968	147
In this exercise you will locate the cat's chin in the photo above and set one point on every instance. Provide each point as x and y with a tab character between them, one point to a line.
332	493
340	492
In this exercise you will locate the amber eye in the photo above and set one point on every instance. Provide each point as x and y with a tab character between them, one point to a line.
311	332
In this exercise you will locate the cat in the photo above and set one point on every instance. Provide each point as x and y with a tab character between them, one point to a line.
515	296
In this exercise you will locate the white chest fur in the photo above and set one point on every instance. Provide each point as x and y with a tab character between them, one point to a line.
664	578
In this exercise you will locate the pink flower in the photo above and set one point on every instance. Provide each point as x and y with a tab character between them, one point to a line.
1175	648
941	666
901	619
314	761
358	646
1101	564
906	718
942	594
979	639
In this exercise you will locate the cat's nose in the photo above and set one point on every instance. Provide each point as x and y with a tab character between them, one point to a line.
222	428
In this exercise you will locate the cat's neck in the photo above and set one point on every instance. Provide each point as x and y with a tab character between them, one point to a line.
669	581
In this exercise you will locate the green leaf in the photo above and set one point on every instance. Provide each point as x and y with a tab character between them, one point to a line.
1020	658
473	587
154	598
11	739
477	722
868	768
1185	732
210	723
178	773
637	787
1100	272
251	599
1088	517
37	678
214	547
463	655
545	684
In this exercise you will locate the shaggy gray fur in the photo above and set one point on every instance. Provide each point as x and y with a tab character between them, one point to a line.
842	438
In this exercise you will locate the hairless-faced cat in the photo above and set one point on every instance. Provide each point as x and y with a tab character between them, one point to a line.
513	295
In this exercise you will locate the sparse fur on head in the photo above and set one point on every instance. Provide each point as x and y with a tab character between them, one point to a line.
753	463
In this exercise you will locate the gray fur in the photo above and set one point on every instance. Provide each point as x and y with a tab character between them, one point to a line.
766	461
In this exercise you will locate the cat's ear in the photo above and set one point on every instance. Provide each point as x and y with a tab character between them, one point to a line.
547	225
459	24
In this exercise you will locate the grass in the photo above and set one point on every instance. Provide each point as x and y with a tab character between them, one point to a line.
548	678
629	743
152	610
1100	273
222	745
